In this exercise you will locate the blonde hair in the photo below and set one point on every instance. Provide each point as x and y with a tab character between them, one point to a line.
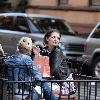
25	45
1	50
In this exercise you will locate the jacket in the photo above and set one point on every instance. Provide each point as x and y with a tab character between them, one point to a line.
57	62
24	61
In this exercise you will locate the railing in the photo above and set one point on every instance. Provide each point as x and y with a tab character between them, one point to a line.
3	89
85	89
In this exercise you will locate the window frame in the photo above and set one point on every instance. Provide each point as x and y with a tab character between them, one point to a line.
91	3
60	2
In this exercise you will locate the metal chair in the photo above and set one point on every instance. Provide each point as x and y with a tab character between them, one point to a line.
18	88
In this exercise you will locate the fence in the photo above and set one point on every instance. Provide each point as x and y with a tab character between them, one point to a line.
3	89
85	89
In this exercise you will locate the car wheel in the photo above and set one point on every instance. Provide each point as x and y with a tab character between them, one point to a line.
96	67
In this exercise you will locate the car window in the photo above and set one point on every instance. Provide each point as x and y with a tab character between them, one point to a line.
6	22
21	25
96	33
43	24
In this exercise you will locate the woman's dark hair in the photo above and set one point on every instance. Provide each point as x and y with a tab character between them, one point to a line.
48	34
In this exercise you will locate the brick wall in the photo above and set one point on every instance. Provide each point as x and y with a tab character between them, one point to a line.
43	2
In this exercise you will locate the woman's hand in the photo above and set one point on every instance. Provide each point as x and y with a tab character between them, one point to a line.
36	50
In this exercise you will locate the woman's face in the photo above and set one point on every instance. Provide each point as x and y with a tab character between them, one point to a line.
53	40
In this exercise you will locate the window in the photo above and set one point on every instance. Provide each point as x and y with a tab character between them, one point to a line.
96	33
43	24
95	3
63	2
6	22
22	25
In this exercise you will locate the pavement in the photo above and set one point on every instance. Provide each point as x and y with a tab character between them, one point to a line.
88	92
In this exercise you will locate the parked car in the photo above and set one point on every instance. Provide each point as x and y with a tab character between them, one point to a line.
92	51
15	25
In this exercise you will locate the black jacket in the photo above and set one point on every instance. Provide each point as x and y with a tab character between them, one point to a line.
57	62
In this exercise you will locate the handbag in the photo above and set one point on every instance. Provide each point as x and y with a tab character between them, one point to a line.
43	64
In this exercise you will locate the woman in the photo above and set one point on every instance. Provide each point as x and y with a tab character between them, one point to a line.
56	58
58	65
2	55
22	57
1	50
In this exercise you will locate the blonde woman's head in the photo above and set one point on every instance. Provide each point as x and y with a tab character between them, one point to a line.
25	45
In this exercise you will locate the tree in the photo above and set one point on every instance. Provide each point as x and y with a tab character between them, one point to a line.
21	6
3	5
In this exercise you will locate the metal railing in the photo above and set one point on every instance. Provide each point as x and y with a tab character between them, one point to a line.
3	89
85	89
